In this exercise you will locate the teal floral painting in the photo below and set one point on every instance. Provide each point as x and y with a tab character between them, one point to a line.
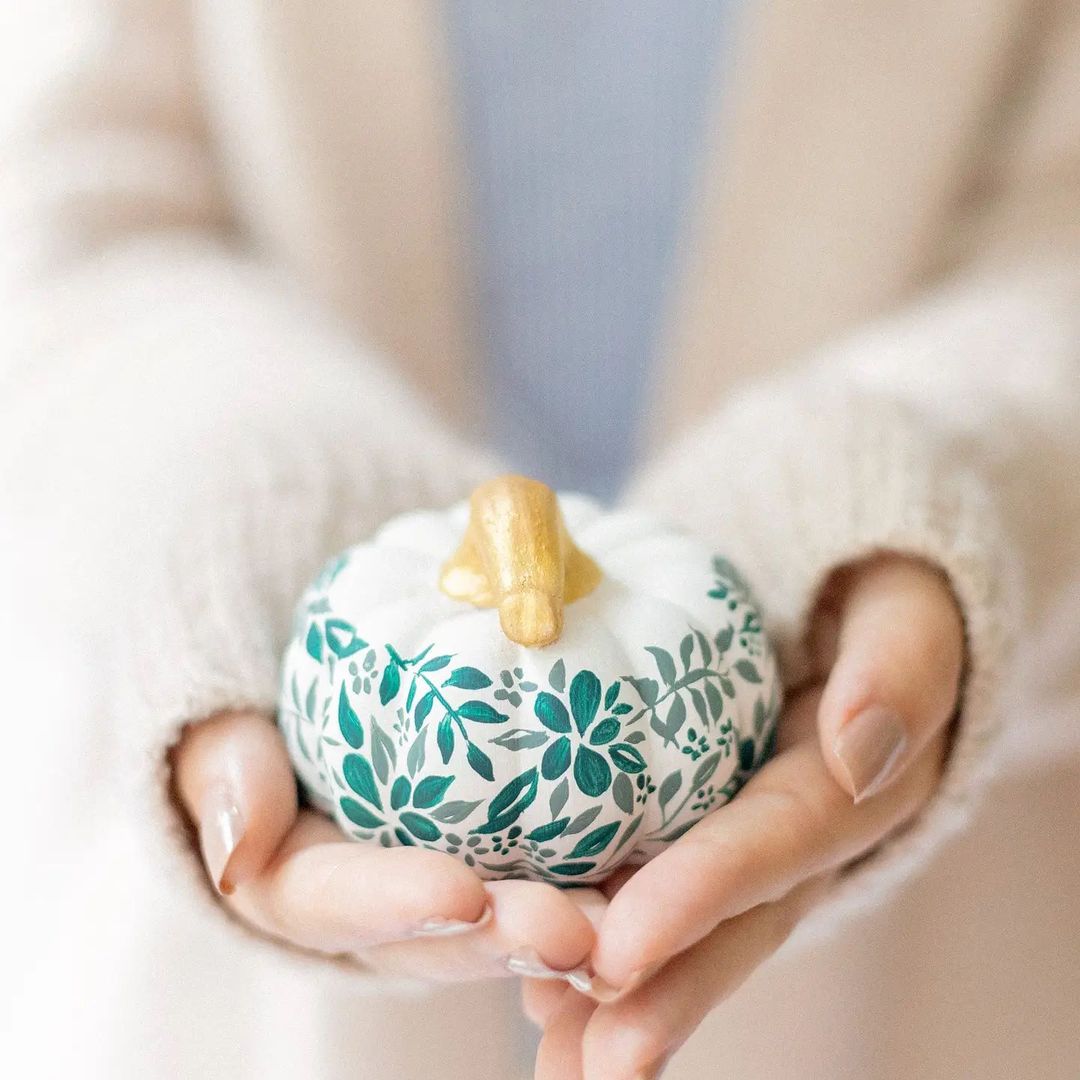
414	722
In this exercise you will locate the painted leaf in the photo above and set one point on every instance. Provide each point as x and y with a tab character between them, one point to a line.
446	739
630	830
481	712
417	753
510	803
383	751
705	647
716	702
686	650
746	754
705	770
664	664
628	758
612	695
399	793
748	671
421	827
670	788
404	838
480	762
623	708
700	707
452	813
468	678
648	689
521	790
349	722
430	791
622	790
314	642
309	700
423	707
595	842
361	779
723	639
604	732
727	686
585	693
559	794
436	664
360	815
551	712
583	820
573	869
521	739
557	676
548	831
391	683
411	696
342	639
671	725
591	772
636	737
759	716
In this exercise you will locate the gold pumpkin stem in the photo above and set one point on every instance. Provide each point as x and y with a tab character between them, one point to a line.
516	555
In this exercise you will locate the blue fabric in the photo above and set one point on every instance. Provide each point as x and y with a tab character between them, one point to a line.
583	126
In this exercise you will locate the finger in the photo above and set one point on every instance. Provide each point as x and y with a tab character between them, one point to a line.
635	1035
332	895
791	822
540	998
536	931
234	779
896	677
559	1055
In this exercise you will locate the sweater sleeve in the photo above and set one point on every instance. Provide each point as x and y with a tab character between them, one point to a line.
946	432
184	438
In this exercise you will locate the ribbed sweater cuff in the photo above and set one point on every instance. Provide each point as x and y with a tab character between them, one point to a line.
803	475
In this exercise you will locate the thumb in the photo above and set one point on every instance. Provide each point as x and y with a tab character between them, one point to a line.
234	778
895	680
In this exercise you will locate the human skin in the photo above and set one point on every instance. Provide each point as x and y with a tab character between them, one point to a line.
860	750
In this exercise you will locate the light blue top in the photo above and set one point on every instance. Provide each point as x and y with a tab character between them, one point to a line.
583	126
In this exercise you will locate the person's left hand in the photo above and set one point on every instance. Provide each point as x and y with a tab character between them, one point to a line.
860	751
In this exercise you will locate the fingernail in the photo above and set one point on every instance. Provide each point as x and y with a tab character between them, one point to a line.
220	831
603	991
437	927
528	965
869	747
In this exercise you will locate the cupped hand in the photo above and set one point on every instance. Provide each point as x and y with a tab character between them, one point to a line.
860	751
407	912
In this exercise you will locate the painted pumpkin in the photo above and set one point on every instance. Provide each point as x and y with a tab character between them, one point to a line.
475	681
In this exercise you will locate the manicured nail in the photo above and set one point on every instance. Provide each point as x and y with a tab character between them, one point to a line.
220	831
869	747
528	965
437	927
603	991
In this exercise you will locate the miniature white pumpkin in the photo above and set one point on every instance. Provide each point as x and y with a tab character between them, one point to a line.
638	695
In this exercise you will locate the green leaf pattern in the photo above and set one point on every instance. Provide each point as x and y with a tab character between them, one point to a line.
575	739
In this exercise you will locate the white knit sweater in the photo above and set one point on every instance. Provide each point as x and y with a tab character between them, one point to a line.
189	424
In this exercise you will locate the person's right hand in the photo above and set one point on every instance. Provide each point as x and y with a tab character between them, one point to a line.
399	911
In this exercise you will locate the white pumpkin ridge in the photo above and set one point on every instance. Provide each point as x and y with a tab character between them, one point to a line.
470	777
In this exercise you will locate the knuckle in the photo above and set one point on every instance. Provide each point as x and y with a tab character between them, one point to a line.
630	1038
